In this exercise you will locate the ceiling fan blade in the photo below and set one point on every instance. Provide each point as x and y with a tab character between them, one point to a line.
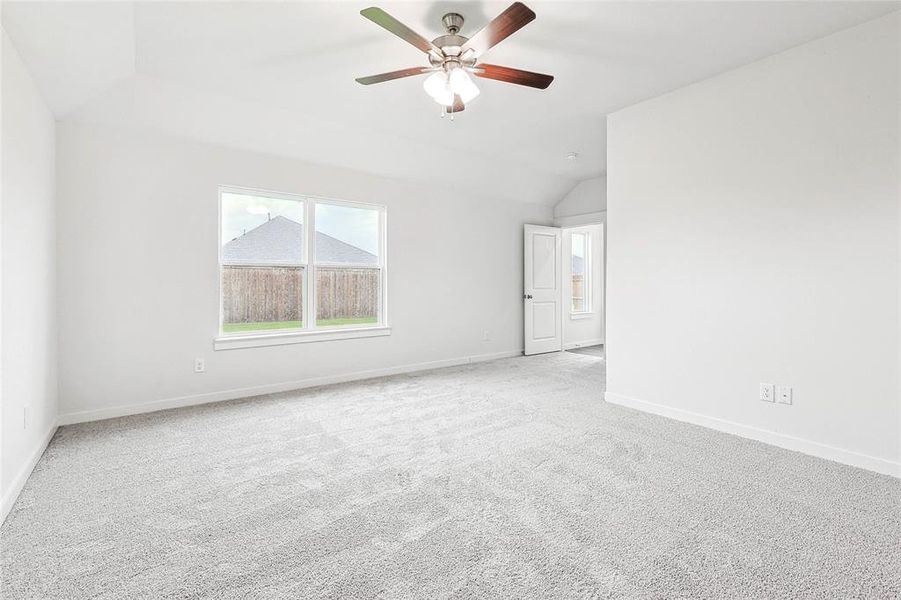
383	19
393	75
508	75
517	16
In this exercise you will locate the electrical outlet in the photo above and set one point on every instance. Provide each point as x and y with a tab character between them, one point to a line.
784	394
486	336
199	367
767	392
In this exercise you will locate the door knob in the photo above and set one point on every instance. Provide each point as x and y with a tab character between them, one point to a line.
527	297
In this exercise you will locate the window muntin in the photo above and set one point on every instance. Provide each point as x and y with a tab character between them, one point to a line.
267	284
581	269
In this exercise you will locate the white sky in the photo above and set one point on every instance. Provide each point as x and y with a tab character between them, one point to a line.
578	243
356	226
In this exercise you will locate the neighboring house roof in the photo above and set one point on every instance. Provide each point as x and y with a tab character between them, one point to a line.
279	240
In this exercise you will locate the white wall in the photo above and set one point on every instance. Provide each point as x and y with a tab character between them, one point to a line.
28	276
139	277
753	236
588	198
584	329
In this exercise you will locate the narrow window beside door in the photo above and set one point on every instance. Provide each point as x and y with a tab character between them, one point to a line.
581	268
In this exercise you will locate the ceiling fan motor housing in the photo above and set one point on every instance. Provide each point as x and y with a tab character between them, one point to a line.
451	44
453	22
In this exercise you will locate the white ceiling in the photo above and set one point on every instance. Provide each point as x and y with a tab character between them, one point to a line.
278	77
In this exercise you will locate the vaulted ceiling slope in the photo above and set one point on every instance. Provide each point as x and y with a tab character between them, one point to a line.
279	77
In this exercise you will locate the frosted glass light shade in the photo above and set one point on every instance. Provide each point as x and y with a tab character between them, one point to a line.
462	85
437	86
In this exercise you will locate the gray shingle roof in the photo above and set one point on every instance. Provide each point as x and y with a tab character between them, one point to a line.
279	240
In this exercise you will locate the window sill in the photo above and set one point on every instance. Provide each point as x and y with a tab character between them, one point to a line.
257	340
578	316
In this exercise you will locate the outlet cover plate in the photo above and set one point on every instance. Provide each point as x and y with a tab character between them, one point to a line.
784	394
767	392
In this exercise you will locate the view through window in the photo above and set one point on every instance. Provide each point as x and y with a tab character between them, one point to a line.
273	276
580	283
347	265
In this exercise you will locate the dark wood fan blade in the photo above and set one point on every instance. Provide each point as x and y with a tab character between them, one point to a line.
517	16
393	75
458	105
383	19
508	75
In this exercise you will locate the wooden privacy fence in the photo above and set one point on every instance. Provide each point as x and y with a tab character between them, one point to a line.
347	292
264	294
578	293
261	294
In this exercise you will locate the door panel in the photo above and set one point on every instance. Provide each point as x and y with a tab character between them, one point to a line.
542	290
544	320
544	266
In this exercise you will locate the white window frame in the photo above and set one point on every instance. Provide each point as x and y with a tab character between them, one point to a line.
587	282
310	332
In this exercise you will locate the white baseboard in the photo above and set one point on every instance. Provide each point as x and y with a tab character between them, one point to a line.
848	457
15	488
287	386
582	344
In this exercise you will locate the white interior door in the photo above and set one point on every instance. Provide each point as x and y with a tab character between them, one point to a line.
543	289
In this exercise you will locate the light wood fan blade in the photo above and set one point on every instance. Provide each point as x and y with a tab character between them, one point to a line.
517	16
383	19
509	75
393	75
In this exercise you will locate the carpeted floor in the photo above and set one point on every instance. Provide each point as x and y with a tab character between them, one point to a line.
510	479
597	350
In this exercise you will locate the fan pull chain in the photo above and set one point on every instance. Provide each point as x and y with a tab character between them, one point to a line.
445	112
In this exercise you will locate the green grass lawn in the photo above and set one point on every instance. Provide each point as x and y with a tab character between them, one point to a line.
239	327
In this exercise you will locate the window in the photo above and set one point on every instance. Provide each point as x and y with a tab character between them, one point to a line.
275	276
262	263
581	268
347	265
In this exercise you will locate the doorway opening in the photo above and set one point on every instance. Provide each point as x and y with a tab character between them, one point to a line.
564	288
583	276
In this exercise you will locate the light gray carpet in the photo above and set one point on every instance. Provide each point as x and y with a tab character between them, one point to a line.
596	350
497	480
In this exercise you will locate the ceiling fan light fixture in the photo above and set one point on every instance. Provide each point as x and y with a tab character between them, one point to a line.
453	57
437	86
462	85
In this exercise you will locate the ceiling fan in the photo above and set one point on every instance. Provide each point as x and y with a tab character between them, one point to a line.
452	57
